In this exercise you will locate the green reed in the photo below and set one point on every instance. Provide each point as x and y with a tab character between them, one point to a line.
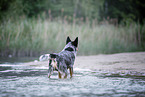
32	37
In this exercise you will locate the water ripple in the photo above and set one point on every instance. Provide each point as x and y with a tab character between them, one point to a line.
32	81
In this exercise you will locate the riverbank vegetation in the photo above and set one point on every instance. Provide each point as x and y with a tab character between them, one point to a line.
29	35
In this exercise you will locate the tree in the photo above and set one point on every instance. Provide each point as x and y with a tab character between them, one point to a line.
124	10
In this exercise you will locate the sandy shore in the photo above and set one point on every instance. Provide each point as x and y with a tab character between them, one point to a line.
113	62
121	62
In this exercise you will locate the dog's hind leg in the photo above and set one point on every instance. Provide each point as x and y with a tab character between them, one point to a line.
49	75
71	72
65	75
50	71
65	72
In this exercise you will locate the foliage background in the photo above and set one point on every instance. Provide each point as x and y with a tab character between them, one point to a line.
34	27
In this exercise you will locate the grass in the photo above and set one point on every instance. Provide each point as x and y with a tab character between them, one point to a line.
32	37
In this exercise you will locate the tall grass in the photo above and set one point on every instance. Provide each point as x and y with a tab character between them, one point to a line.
32	37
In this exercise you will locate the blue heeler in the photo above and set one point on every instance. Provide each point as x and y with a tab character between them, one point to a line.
63	60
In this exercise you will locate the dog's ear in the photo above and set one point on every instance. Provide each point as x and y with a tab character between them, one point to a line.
75	42
68	40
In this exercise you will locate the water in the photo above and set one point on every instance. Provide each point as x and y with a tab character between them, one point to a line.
15	60
28	81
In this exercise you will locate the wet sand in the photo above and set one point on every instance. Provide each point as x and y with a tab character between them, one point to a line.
121	62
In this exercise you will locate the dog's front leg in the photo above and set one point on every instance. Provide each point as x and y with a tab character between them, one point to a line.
59	74
71	72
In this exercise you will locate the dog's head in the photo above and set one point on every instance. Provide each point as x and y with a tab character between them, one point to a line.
71	45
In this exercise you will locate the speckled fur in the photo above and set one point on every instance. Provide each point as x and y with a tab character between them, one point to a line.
64	59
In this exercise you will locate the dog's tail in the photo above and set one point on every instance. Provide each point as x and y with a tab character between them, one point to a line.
44	57
47	57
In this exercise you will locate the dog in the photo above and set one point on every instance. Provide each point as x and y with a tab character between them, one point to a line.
63	60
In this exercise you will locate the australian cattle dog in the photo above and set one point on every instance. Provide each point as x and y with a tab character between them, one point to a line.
63	60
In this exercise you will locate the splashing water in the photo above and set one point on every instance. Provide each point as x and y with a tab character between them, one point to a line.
20	80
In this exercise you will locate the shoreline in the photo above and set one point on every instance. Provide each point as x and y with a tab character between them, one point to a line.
120	62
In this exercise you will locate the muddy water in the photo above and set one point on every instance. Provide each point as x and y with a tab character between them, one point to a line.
18	80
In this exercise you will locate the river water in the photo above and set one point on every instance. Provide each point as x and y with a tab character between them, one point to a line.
18	80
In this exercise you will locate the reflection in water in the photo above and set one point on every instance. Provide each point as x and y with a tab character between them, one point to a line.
32	81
